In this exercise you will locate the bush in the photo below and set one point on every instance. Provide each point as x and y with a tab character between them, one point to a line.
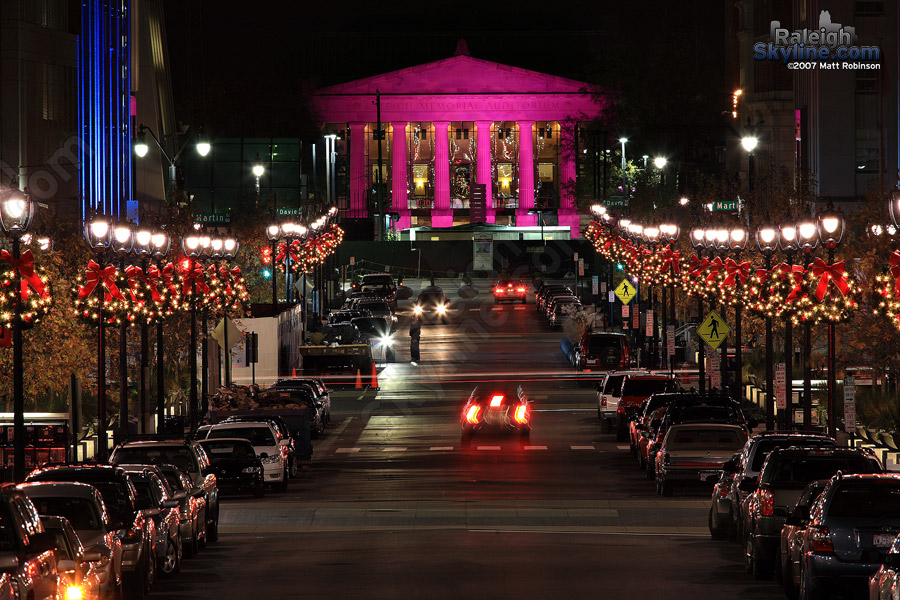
878	407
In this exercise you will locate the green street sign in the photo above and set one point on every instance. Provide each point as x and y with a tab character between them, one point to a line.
287	212
729	205
213	218
616	203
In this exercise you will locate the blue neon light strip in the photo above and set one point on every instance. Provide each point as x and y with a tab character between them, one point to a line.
104	106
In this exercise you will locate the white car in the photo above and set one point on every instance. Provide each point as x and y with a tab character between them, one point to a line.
268	444
609	391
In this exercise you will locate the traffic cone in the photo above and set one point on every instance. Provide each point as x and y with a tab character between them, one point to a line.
358	380
374	377
293	372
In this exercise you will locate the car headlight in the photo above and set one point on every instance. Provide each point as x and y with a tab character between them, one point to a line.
253	469
271	459
386	341
73	592
441	309
417	310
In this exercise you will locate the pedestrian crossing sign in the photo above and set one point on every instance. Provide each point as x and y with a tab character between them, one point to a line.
713	330
625	291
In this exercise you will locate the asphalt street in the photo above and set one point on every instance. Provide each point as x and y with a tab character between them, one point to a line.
395	505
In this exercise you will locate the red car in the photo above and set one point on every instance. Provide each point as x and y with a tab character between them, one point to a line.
636	388
507	291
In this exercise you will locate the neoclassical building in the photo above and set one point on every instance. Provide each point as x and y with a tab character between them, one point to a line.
456	122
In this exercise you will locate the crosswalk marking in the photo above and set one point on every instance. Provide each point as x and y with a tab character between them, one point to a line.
535	447
623	447
395	449
441	448
520	307
488	447
346	450
582	447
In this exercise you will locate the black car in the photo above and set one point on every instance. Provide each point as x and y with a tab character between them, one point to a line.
237	467
432	304
377	332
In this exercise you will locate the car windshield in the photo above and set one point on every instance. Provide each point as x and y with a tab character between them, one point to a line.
708	438
258	436
431	297
613	384
765	446
81	513
180	456
377	280
867	501
374	305
644	387
228	449
145	493
797	471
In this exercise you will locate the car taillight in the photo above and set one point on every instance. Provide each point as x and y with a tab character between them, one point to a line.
520	289
498	291
521	415
496	401
820	539
473	413
603	401
766	503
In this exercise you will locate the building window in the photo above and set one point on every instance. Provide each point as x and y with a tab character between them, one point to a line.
546	157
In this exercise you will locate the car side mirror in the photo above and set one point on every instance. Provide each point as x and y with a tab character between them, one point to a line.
92	556
66	566
748	484
170	503
42	542
8	561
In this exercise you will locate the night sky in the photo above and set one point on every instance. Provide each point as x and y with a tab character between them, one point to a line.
245	69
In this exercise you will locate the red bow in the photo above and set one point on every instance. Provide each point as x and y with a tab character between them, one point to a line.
106	277
735	270
895	271
829	273
697	266
193	277
795	273
288	250
168	276
715	267
151	278
134	275
25	265
671	259
5	337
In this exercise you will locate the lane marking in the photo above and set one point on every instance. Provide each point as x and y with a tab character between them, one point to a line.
441	448
488	447
623	447
346	450
582	447
520	307
535	447
394	449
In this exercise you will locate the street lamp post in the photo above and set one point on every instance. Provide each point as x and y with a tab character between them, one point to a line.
98	233
143	247
651	235
670	232
141	148
723	244
123	242
660	163
698	236
808	231
738	237
191	246
622	141
767	243
16	213
230	248
160	242
206	253
831	232
273	232
749	143
789	243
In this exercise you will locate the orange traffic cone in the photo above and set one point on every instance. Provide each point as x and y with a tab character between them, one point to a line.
293	372
358	380
374	377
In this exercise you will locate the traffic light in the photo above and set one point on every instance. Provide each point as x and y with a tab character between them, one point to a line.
620	266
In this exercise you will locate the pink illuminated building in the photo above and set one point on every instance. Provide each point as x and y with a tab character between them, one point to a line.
457	122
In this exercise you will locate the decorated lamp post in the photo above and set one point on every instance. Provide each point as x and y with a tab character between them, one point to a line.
191	246
767	243
670	269
160	242
98	233
698	241
122	243
273	232
230	248
16	212
143	248
736	276
789	243
808	233
651	235
831	232
722	243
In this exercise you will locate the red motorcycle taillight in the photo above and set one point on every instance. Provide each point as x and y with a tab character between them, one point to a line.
521	414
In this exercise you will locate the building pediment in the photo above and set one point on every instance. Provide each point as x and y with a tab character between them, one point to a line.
461	75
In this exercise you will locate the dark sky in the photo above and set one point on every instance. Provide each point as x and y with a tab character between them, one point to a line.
244	69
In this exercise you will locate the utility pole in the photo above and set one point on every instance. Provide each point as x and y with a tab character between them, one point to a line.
378	183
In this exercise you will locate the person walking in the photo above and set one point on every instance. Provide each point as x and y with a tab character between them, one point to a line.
415	334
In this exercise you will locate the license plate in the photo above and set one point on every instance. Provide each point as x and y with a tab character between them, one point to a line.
592	362
883	540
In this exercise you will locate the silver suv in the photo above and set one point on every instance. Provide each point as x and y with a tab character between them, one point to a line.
26	550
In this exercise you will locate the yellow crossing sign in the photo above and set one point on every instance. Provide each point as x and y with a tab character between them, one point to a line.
625	291
713	330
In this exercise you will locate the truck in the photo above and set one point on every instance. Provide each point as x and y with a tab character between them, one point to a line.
340	364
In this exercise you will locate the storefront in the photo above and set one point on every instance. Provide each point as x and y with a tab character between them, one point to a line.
458	122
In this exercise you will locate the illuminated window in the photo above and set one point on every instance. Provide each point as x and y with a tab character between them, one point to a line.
545	172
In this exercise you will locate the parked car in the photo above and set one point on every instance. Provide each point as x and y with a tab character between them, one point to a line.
640	422
602	351
378	308
295	452
785	473
154	497
694	453
79	569
26	550
545	291
133	527
852	526
794	525
346	315
608	391
560	311
185	454
320	406
191	508
323	394
238	468
729	509
885	583
717	529
546	298
83	507
381	285
270	447
637	387
649	436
